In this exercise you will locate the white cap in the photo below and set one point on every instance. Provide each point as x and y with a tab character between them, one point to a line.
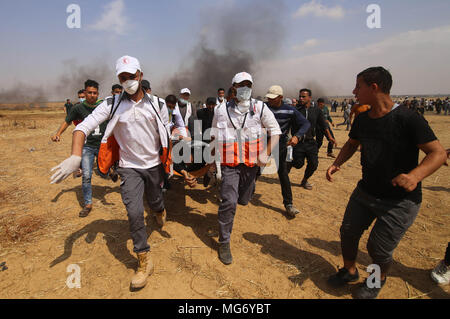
274	92
186	90
241	77
127	64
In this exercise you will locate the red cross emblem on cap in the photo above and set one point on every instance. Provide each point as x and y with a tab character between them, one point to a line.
126	61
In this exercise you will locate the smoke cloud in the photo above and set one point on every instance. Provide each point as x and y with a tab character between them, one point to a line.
234	38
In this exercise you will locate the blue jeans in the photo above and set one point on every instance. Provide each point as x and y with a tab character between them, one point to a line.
87	165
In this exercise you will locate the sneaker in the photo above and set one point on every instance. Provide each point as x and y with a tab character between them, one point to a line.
78	173
114	176
364	292
306	185
291	211
225	254
85	212
441	274
342	277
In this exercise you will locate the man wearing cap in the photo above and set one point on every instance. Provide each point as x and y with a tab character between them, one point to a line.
287	117
184	106
135	123
238	128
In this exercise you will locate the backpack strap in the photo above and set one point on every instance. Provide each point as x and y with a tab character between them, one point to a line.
111	102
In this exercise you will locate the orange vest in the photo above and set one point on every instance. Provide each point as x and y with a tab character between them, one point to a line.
109	151
240	149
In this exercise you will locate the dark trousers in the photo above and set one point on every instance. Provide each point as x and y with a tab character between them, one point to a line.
135	184
447	255
238	184
393	218
319	140
306	150
283	174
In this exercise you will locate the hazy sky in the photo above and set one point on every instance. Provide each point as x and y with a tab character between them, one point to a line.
323	42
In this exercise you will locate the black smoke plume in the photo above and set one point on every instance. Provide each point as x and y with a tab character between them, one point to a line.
234	38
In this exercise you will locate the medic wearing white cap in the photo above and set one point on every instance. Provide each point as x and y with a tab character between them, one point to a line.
184	106
238	128
136	135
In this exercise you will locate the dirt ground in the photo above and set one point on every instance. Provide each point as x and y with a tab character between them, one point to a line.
274	257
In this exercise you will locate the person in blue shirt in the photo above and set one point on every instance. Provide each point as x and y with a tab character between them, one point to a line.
287	117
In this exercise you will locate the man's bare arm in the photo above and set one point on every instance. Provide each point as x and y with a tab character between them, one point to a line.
62	129
435	158
78	143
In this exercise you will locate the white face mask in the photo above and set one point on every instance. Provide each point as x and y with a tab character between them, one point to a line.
82	100
131	86
182	101
221	99
243	93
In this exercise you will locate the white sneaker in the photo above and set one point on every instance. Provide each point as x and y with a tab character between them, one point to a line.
441	274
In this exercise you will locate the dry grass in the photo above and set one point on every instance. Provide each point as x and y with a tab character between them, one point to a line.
15	229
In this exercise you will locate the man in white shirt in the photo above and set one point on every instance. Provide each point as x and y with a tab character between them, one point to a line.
135	122
220	97
238	128
184	106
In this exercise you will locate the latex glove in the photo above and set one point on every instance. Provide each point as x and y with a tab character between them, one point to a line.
66	168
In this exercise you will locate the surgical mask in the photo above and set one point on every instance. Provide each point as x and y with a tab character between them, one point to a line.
221	99
131	86
182	101
243	93
82	100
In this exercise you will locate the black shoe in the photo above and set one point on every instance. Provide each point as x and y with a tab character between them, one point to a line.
342	277
85	212
114	176
364	292
206	180
225	254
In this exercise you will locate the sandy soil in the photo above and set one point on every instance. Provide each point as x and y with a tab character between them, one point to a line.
274	257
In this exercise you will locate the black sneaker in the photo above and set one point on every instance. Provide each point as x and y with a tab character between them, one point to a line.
114	176
85	212
364	292
225	254
342	277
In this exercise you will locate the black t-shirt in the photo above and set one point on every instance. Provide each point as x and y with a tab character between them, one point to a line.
68	107
78	113
389	148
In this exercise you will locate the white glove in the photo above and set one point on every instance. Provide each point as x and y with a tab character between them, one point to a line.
66	168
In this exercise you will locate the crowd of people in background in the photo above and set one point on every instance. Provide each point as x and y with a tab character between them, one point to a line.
133	132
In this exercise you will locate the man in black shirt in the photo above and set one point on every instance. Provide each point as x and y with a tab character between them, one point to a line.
390	189
68	106
307	147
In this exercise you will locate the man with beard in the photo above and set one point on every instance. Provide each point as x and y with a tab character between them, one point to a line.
390	190
307	146
238	128
287	117
136	131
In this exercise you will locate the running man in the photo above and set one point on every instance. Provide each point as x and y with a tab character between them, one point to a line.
390	190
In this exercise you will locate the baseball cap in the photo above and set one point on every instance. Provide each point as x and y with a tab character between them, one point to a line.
127	64
145	84
274	92
186	90
241	77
